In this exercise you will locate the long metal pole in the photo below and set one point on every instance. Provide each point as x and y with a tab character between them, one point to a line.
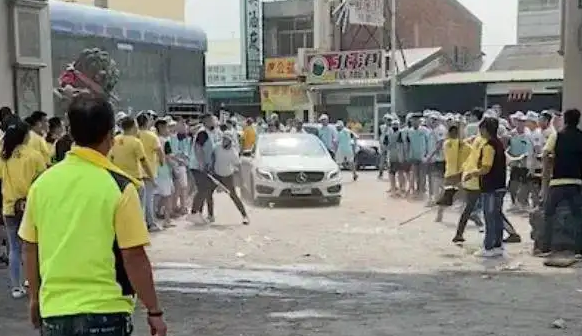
393	67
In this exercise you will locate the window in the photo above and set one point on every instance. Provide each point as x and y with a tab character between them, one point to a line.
538	5
290	41
293	34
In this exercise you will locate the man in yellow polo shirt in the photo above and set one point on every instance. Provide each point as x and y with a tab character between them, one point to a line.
90	253
154	156
128	153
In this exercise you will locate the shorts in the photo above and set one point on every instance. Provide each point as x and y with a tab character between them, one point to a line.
398	167
518	174
535	178
165	187
181	177
342	157
437	168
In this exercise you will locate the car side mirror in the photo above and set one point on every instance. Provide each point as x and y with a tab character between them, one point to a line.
247	153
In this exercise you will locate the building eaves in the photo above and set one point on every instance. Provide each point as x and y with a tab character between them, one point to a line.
491	77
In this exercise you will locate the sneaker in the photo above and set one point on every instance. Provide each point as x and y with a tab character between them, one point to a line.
198	219
154	228
542	254
513	209
493	253
168	224
246	221
18	293
210	219
513	238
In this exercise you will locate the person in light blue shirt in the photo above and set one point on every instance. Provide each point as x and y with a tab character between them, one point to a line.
385	131
397	152
328	135
181	146
418	152
435	162
346	149
520	147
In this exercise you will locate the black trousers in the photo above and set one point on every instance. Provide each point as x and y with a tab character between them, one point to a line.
228	182
570	194
204	190
471	199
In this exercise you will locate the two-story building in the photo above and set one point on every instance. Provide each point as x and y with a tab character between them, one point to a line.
433	36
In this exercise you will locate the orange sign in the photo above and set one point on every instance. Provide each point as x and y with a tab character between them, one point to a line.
280	68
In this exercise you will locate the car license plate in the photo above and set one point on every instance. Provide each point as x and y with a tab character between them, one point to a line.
301	191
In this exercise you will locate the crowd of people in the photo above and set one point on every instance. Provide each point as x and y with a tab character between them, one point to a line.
148	169
478	157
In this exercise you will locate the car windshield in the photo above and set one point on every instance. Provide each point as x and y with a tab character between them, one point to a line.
293	145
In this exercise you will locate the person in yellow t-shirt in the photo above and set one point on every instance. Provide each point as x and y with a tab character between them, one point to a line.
155	156
249	136
455	153
471	188
19	167
55	132
90	253
129	155
38	123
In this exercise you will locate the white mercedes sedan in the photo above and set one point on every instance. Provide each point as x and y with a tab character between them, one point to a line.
290	166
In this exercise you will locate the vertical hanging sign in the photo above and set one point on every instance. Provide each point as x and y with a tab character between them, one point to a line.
252	38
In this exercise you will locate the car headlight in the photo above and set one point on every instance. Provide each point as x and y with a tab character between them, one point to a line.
333	174
263	174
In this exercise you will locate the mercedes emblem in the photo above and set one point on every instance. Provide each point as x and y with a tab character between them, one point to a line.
301	177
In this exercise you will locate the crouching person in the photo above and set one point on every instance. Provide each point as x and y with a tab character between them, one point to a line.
226	163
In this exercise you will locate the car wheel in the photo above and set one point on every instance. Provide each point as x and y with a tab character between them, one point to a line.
335	201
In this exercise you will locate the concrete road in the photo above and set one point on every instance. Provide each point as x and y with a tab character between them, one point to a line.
347	270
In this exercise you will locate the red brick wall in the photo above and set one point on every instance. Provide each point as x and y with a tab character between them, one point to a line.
423	24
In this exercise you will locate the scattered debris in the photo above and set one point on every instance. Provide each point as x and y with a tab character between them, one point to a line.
559	324
515	267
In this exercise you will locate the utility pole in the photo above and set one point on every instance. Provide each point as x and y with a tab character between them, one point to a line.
393	66
572	84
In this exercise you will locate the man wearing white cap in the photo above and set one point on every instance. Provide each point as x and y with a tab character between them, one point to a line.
435	161
328	135
520	147
346	148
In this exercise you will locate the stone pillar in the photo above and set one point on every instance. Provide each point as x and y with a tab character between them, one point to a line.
572	45
26	60
6	77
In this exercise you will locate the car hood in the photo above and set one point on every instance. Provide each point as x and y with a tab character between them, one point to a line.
296	163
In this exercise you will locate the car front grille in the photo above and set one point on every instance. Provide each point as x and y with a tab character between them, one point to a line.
300	177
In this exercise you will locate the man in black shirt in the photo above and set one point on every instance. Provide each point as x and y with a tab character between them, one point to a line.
492	172
563	158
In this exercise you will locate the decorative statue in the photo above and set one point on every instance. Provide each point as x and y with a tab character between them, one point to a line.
94	72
